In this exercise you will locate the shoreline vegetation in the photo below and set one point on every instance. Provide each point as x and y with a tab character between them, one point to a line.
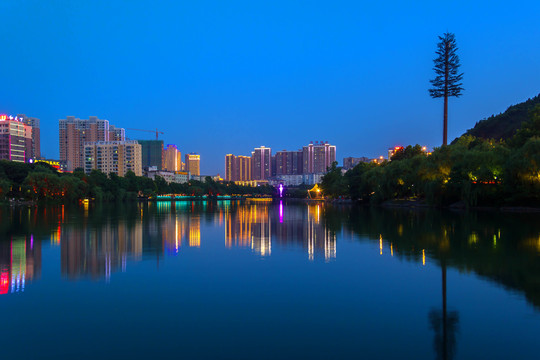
39	182
472	172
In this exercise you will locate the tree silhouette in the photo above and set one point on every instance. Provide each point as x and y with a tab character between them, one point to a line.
447	81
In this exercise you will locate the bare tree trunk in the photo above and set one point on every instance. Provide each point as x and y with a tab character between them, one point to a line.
445	121
445	117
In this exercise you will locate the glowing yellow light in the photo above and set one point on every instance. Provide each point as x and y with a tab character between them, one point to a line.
380	243
391	250
423	257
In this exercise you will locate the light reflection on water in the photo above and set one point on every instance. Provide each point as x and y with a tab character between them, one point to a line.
96	242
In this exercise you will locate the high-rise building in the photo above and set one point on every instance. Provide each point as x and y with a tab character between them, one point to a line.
152	153
243	167
117	157
289	162
237	168
318	157
193	164
172	158
15	139
261	163
350	162
116	133
36	136
75	132
230	167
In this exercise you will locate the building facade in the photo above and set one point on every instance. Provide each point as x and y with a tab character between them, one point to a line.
75	133
117	157
289	163
152	153
261	163
36	135
237	168
116	133
193	164
172	158
15	139
318	157
350	162
178	177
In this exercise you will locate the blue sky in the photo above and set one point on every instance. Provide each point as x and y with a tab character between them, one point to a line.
227	76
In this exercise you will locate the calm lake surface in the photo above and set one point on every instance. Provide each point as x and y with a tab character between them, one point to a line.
259	280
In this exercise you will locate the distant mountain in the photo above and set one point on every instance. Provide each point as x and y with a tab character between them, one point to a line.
504	125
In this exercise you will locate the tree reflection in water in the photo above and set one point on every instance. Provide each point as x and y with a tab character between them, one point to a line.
445	325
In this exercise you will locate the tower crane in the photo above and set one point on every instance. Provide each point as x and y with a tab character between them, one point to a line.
152	131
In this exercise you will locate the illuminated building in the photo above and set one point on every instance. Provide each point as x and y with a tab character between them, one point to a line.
237	168
152	153
318	157
179	177
230	167
261	163
36	135
75	133
289	162
172	158
15	139
117	157
350	162
193	164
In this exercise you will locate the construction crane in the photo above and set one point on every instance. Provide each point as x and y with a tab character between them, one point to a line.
152	131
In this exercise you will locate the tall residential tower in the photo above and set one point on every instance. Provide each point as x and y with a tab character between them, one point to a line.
261	163
75	132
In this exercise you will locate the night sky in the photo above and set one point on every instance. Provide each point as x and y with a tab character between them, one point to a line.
224	77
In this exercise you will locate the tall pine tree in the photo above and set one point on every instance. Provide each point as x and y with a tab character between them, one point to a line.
447	81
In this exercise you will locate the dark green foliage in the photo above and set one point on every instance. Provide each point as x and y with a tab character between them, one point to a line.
407	153
447	81
505	125
529	129
333	182
472	171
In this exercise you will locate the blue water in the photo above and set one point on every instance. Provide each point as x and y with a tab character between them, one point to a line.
258	280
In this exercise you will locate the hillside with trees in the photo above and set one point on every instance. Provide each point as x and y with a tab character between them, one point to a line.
504	125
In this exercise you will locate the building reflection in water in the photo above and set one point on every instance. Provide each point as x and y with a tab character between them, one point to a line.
259	226
249	227
97	252
195	231
20	261
98	244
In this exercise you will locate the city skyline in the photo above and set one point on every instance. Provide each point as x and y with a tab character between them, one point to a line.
223	73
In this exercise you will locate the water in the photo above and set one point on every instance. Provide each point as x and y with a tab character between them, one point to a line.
258	280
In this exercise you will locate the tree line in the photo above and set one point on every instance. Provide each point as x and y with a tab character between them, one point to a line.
473	171
40	181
